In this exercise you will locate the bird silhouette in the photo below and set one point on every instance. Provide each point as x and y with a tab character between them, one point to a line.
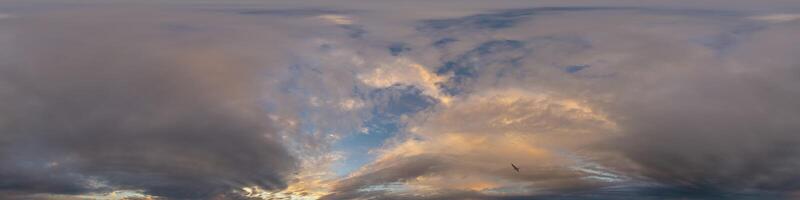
515	167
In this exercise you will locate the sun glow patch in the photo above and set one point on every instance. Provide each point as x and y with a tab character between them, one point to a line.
337	19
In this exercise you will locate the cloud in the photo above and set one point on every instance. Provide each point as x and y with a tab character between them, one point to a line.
471	64
777	18
94	112
298	12
684	132
496	20
474	140
654	109
270	100
337	19
405	72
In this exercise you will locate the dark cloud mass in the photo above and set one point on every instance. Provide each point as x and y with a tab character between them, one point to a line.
724	131
85	112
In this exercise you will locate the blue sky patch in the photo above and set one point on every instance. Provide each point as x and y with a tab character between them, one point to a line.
390	104
397	48
575	68
496	20
468	65
723	42
443	42
354	31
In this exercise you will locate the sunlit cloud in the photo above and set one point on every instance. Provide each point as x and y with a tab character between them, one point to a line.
476	139
405	71
777	18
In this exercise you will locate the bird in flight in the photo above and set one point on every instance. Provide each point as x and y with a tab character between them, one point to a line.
515	167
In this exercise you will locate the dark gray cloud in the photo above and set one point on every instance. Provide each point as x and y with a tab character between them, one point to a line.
719	130
87	112
443	195
628	193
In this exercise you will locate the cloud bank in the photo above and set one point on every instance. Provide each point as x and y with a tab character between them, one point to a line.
99	109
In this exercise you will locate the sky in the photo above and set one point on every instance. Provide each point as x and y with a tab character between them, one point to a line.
381	99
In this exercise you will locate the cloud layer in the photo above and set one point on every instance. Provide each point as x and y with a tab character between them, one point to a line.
98	109
303	100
